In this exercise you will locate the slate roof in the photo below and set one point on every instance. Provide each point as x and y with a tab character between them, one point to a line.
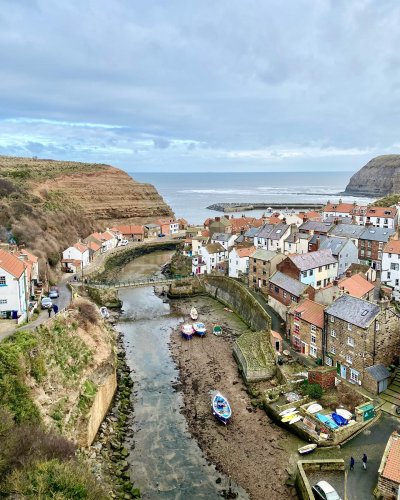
151	226
315	237
356	311
347	230
312	260
376	234
288	284
250	233
334	244
221	237
315	225
299	236
278	231
266	255
378	372
264	231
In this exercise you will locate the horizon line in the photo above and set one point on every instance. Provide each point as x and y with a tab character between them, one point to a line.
238	172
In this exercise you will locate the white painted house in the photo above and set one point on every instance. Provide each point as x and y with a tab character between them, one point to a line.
271	237
239	261
390	274
78	252
13	286
212	257
225	239
385	217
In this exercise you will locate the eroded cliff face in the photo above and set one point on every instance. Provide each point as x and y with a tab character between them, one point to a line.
379	177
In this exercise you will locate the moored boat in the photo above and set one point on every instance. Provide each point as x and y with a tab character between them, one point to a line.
314	408
187	331
295	419
339	419
328	421
344	413
221	408
289	417
199	329
287	411
308	448
217	330
194	314
104	312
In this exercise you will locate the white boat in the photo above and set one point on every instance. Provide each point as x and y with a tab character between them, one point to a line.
308	448
199	329
295	419
314	408
194	314
287	412
104	312
221	408
187	331
344	413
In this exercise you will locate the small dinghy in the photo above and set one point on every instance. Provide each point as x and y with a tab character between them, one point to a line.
104	312
288	411
339	419
327	421
295	419
221	408
308	448
344	413
194	314
314	408
217	330
187	331
199	329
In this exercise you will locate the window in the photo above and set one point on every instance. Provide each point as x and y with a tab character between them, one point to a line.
313	328
349	358
349	326
320	269
319	283
254	269
354	375
333	349
3	281
284	294
311	272
264	282
3	301
313	351
328	361
333	333
276	289
332	319
304	274
396	282
350	341
388	275
313	339
294	299
394	266
327	267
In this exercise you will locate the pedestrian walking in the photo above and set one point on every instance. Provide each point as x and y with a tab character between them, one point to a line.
352	462
55	308
364	461
49	311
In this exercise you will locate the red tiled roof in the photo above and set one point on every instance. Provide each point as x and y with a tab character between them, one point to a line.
245	252
94	246
311	311
380	212
131	229
244	223
340	207
274	220
205	233
106	236
76	262
166	221
392	246
30	255
81	247
310	215
392	466
276	335
356	285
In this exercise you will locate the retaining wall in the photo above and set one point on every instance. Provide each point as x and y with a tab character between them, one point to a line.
303	486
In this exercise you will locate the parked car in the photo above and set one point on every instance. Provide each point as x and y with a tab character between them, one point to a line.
161	235
46	303
324	491
53	294
123	243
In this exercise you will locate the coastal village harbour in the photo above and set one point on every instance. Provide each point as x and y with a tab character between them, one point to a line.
173	379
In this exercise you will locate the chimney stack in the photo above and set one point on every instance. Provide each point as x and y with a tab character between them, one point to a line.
348	273
335	282
318	242
217	219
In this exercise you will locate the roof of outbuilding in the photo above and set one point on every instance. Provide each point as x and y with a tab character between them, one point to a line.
288	284
378	372
312	260
356	311
391	470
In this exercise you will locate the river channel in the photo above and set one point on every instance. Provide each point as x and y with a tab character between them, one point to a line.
166	462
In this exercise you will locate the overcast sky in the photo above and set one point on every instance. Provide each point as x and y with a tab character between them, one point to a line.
185	85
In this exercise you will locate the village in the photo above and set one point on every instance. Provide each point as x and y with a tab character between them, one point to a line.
332	277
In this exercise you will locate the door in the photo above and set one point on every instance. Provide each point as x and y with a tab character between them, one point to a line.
343	371
338	367
304	347
382	385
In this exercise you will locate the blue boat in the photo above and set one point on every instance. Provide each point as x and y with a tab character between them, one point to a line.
199	329
221	408
327	421
339	419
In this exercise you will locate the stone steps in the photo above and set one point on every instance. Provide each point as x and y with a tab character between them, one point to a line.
390	399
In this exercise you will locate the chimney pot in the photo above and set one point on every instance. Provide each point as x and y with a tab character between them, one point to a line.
348	273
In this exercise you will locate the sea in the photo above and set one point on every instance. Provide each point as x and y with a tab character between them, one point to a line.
189	194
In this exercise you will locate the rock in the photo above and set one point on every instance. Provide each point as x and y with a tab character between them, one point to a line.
379	177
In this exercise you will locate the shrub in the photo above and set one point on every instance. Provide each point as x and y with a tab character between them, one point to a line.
315	391
88	312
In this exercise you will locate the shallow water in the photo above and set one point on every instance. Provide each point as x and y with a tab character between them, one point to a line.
165	461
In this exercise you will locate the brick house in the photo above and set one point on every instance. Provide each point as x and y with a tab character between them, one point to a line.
317	269
219	225
262	266
389	470
358	334
305	326
371	243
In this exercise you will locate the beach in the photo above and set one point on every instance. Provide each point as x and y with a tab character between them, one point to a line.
250	449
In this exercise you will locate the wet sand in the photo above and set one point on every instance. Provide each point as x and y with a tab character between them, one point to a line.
251	449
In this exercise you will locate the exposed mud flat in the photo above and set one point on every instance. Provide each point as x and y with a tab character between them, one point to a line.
251	449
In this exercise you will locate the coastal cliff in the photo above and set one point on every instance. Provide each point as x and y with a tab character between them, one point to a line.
48	205
379	177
